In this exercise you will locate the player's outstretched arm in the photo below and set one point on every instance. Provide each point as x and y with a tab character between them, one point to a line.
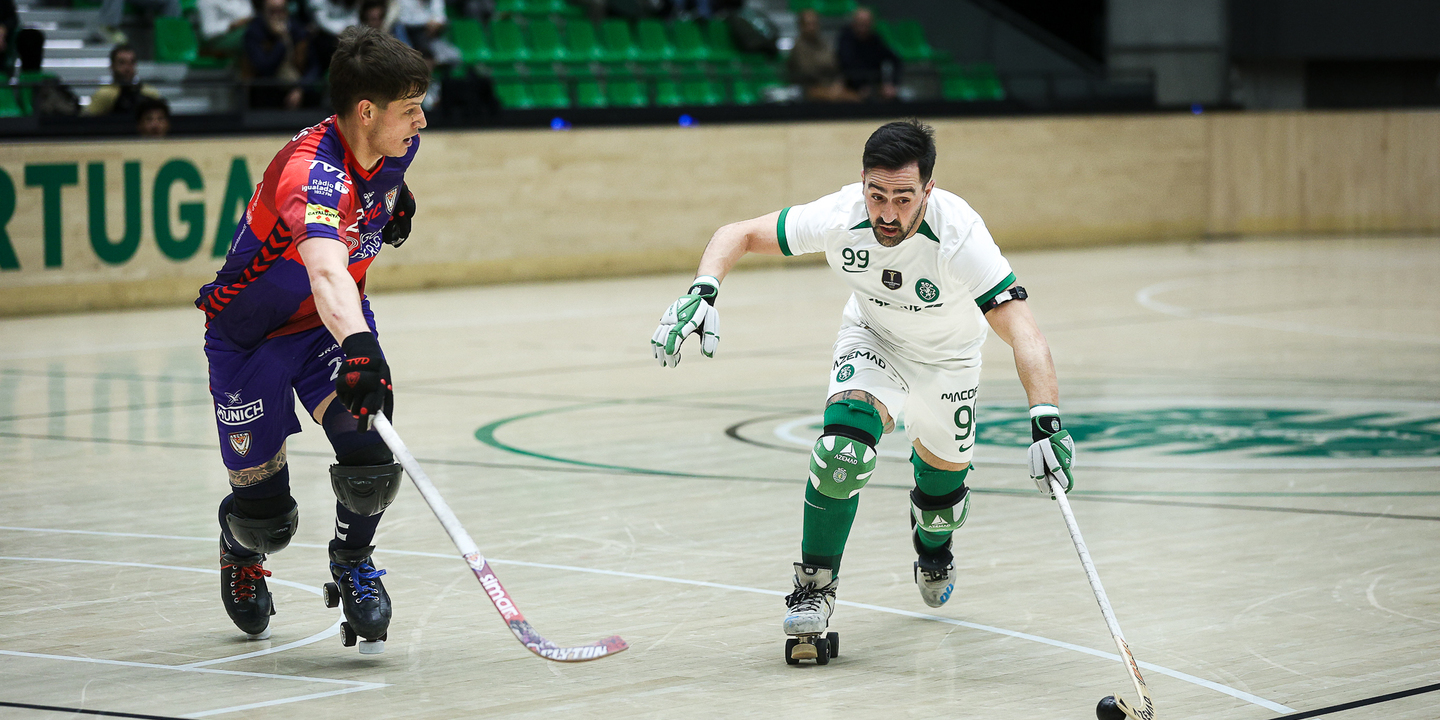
1052	449
694	312
362	383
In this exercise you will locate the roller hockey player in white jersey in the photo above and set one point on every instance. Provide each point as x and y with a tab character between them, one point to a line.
926	278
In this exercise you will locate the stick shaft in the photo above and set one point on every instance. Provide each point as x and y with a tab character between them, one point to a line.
437	504
1085	560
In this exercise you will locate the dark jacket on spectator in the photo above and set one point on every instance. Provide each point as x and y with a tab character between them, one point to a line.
862	61
266	53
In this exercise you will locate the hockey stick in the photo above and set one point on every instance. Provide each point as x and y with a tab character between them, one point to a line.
501	599
1147	710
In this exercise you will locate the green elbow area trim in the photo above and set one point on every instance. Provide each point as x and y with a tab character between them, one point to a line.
780	233
999	288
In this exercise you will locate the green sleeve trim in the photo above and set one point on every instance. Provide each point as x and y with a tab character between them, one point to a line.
780	233
927	232
999	288
863	224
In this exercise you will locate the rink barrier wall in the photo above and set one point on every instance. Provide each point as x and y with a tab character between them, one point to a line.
79	227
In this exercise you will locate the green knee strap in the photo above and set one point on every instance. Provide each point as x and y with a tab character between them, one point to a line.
844	457
940	502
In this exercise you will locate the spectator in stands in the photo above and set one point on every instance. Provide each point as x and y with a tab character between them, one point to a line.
424	22
329	18
813	66
123	94
222	26
372	14
277	58
111	12
39	92
870	67
152	118
9	24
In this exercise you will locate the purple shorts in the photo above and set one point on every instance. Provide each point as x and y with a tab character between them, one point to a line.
255	390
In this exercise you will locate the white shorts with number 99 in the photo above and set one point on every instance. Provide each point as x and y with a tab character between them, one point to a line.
938	400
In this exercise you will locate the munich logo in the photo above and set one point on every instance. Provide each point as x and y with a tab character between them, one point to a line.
240	443
240	414
892	279
234	397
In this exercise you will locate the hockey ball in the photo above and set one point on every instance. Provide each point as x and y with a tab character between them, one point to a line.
1107	709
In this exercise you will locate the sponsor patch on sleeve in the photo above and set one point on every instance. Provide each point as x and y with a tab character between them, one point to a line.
322	215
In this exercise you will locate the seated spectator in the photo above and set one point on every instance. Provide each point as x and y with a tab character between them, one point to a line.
111	12
39	92
813	66
424	23
123	94
870	67
373	13
329	18
277	58
222	26
152	118
9	24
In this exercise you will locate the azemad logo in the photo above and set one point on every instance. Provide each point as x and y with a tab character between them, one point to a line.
236	414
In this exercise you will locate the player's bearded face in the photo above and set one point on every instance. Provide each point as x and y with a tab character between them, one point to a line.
895	201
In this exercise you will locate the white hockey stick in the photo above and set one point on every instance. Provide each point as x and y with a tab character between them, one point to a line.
503	604
1147	710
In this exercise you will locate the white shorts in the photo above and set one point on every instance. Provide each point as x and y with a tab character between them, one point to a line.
937	400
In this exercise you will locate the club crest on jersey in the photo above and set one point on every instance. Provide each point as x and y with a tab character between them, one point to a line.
926	290
390	200
847	371
240	443
892	279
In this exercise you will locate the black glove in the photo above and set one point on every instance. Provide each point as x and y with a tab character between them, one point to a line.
397	229
363	383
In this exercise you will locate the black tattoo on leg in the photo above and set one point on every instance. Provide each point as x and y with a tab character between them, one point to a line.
868	399
259	473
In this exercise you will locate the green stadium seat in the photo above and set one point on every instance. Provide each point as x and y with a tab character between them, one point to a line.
550	94
835	8
742	92
619	43
689	43
514	95
469	39
10	103
911	36
702	92
509	42
655	45
717	35
175	40
553	7
511	7
582	43
545	42
590	95
627	92
799	6
667	94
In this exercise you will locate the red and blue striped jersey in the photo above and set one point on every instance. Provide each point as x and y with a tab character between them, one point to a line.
312	189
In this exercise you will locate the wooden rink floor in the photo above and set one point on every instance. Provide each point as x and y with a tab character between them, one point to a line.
1258	478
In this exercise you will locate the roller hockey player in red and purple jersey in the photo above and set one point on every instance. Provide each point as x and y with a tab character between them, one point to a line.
287	316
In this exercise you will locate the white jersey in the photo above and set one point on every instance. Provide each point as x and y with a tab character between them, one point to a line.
921	297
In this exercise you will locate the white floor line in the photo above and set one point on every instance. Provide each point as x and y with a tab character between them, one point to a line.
1176	674
283	701
182	668
1146	298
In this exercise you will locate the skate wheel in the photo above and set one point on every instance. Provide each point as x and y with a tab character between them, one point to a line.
347	635
372	647
833	640
789	652
332	595
822	651
262	635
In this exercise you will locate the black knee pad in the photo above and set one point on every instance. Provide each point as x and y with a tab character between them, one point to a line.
265	535
365	489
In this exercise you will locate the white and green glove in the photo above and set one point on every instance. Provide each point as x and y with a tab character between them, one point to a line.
694	313
1052	451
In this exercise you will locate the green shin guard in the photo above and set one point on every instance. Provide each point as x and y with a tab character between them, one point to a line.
939	503
840	464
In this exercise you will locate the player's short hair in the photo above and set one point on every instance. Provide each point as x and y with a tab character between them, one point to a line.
371	65
897	144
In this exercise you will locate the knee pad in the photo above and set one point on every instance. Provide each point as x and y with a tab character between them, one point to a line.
843	459
264	535
365	489
940	515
